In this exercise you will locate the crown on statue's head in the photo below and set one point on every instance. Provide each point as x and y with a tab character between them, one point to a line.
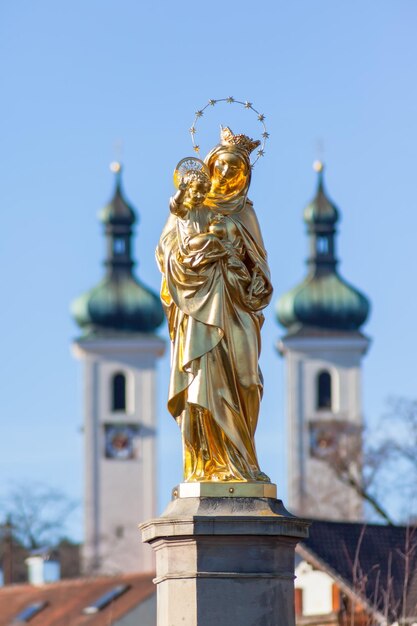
228	138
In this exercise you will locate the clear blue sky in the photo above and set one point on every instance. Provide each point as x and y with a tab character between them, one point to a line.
79	76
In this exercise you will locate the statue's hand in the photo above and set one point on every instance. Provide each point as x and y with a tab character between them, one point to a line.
258	294
257	286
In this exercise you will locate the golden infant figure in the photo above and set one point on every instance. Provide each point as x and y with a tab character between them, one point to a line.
200	229
204	234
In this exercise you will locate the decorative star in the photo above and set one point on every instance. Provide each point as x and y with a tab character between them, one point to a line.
261	152
193	130
261	117
212	102
199	113
248	105
197	149
230	99
265	135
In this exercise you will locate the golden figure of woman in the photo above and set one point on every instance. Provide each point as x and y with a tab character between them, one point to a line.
215	284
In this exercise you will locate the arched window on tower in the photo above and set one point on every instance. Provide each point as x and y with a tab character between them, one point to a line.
324	391
322	245
119	246
119	392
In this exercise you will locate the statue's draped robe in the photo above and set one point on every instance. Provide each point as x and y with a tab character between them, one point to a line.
214	324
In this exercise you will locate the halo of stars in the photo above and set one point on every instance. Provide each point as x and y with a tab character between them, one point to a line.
230	100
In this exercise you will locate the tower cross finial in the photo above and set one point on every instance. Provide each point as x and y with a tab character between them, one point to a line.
118	150
319	150
116	164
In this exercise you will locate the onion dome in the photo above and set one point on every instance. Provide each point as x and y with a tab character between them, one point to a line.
120	302
323	299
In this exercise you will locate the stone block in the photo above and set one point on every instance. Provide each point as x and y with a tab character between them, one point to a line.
225	560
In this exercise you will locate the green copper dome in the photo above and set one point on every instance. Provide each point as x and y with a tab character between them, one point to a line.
323	299
120	302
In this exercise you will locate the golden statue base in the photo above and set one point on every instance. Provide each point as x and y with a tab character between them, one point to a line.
225	490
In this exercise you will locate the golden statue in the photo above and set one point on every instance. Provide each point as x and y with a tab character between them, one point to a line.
215	284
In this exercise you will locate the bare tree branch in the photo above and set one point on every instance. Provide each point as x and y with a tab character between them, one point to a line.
38	513
364	460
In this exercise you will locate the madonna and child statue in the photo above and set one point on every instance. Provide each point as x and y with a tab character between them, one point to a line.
215	285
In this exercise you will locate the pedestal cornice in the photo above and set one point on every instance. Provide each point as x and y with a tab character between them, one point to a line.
225	516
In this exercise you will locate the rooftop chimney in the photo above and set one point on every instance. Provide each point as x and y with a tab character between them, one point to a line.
43	567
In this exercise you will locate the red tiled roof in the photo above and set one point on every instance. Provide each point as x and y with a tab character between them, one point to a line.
67	598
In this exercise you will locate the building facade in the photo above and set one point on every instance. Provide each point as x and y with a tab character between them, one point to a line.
323	350
119	350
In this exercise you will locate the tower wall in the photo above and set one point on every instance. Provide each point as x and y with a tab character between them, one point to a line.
120	450
321	437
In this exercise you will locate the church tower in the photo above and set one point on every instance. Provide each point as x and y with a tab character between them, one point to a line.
119	350
323	350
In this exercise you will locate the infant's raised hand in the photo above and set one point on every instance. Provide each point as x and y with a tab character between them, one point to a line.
183	185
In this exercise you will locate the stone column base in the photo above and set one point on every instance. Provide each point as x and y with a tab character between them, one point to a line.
225	561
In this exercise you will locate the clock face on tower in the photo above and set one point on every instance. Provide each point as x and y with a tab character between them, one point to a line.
119	441
333	438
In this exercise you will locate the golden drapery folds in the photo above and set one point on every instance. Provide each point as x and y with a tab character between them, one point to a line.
213	294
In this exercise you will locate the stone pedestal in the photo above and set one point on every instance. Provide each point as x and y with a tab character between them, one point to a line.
224	559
